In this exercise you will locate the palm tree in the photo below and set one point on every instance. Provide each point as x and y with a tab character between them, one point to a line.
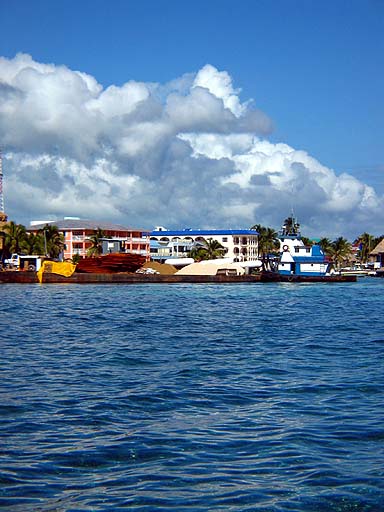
53	240
209	250
197	253
15	235
341	250
307	241
366	242
33	244
212	249
290	226
326	246
97	243
268	242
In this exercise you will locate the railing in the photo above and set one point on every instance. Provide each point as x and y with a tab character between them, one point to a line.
143	240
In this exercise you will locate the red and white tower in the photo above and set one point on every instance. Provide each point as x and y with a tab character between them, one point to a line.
3	217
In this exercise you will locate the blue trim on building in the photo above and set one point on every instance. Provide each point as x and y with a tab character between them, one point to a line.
202	232
308	259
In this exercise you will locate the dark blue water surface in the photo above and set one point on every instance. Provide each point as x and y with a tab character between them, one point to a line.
264	397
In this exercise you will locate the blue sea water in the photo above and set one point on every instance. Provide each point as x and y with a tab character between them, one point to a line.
250	397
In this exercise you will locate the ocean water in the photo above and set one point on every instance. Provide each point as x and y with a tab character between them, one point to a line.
250	397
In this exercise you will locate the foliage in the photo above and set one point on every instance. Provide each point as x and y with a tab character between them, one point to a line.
268	242
326	246
97	243
209	250
306	241
290	226
14	237
53	240
76	258
340	251
367	244
33	244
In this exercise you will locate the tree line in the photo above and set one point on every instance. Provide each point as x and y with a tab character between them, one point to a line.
48	241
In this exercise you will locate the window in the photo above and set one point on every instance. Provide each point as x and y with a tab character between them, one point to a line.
225	239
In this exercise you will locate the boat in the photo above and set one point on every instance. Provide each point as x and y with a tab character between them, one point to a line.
298	262
357	270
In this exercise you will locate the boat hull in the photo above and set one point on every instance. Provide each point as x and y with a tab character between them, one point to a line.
130	278
295	278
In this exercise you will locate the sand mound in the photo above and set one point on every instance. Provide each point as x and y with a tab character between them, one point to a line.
162	268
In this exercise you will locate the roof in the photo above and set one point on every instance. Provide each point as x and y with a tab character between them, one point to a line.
204	232
71	224
378	249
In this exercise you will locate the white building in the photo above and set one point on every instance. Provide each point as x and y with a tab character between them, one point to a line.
239	244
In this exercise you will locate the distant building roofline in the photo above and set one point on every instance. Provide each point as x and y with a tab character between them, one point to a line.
86	224
202	232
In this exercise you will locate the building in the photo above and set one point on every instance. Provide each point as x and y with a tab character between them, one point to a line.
117	238
377	255
240	244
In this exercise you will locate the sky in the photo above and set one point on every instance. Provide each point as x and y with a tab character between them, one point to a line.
203	114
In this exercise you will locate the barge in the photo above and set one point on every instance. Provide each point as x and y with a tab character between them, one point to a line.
29	277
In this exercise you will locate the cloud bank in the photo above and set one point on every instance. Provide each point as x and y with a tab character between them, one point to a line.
188	153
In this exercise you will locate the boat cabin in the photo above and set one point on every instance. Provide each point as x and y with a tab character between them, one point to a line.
307	261
296	258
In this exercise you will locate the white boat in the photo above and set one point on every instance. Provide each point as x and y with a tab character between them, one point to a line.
298	259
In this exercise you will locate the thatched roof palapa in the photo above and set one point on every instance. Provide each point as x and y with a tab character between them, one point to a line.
378	249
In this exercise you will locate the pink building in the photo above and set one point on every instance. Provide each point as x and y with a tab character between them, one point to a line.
118	238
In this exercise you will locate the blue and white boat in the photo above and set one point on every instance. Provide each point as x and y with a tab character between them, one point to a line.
298	259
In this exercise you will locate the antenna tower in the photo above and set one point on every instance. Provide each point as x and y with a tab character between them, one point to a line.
1	183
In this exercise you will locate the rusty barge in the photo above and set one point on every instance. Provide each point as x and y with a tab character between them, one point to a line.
28	277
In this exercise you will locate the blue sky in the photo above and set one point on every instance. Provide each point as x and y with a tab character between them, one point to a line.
314	68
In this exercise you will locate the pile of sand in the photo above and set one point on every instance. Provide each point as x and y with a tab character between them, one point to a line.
162	268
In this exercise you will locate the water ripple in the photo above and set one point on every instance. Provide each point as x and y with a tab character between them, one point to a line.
192	398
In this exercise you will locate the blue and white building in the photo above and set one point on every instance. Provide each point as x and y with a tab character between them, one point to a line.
240	245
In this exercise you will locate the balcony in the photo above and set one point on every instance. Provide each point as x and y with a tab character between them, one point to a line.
142	240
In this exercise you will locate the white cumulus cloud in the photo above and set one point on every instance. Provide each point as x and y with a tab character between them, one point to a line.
187	153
